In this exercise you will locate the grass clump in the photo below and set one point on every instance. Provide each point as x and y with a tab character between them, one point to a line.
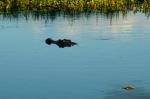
76	5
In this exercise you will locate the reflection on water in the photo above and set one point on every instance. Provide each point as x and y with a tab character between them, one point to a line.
113	50
52	15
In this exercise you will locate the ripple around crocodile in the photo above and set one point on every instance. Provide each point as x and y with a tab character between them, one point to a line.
104	39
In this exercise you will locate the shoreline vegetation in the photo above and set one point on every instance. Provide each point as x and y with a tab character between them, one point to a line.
49	9
105	6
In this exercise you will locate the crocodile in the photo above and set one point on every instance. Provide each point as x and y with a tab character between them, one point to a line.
61	43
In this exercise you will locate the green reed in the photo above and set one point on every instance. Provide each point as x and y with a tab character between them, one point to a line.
105	6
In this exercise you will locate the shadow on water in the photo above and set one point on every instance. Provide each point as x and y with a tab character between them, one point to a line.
138	93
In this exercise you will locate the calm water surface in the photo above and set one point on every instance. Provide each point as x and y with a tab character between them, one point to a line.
111	53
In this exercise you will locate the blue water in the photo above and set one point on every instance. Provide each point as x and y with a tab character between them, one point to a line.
111	53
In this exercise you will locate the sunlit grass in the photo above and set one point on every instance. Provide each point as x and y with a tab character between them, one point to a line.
76	5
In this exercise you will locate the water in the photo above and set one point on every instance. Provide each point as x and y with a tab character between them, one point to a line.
112	52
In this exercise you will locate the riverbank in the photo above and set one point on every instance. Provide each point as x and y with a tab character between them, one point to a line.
76	5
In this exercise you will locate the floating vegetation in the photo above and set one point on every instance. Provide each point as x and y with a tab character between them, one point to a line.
128	88
105	6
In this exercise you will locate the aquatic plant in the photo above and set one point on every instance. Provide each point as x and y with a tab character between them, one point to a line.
129	87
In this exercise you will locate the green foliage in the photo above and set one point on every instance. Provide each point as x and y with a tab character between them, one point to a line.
75	5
